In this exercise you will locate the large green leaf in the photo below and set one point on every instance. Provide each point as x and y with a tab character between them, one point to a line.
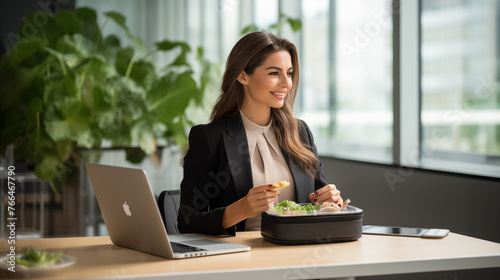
68	119
71	52
18	85
35	107
170	97
209	76
135	155
39	25
88	19
127	97
65	60
26	49
120	104
123	59
77	44
181	60
177	128
168	45
249	29
68	23
108	48
112	41
182	57
143	134
295	24
96	72
21	102
141	71
60	87
48	168
64	149
118	18
33	87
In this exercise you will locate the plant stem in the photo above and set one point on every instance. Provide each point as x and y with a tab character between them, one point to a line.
38	128
163	99
80	84
37	135
130	65
62	66
99	36
48	69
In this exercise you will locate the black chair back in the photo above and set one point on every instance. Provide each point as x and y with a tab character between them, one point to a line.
168	202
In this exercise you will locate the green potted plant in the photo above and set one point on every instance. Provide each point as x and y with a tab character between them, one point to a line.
67	87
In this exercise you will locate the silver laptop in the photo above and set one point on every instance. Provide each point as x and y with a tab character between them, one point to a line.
133	220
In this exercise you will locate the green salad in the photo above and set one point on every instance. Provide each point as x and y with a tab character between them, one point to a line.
287	206
35	258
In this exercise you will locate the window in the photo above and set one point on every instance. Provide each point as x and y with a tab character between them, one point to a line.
460	93
347	77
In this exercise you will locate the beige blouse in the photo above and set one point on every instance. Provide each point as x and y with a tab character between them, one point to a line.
268	166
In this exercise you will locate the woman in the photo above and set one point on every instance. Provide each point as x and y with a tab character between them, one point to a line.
252	141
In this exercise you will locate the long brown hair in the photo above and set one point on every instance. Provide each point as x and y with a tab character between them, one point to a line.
249	53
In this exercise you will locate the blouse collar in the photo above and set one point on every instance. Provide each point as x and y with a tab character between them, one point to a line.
253	130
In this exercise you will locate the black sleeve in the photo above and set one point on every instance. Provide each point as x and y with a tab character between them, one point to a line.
196	212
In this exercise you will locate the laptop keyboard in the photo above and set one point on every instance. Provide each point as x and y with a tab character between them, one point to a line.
181	248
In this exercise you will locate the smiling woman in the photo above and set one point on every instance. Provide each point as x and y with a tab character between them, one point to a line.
253	140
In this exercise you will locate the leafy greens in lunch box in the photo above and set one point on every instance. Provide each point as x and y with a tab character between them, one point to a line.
291	208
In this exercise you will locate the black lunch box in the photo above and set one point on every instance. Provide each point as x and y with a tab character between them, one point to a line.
313	228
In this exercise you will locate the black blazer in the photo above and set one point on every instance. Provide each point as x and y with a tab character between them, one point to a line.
217	172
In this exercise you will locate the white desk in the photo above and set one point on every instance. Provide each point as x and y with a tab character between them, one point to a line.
98	258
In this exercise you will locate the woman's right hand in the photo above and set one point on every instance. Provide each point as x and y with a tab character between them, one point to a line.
258	200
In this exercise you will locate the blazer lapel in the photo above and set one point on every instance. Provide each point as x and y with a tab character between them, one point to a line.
238	157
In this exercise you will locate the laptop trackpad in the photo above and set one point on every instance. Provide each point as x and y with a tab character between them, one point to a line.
200	242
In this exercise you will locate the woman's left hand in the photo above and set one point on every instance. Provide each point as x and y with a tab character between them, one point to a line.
328	193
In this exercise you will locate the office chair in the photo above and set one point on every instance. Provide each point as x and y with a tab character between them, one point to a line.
168	202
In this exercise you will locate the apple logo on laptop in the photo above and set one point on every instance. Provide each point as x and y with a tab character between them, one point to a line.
126	208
